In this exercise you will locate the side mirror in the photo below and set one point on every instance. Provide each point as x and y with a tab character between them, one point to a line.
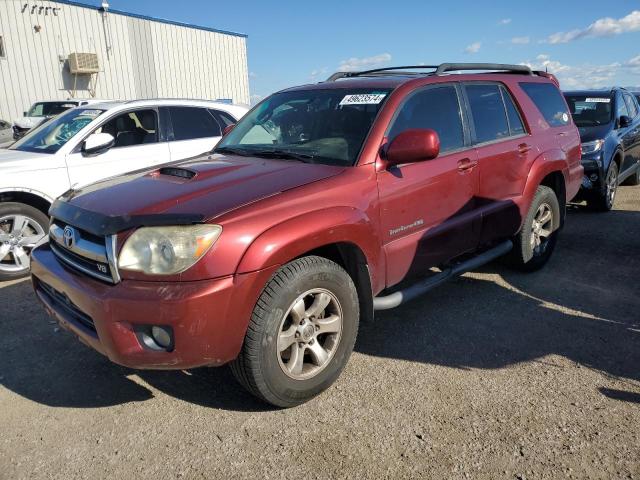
624	121
227	129
413	145
98	143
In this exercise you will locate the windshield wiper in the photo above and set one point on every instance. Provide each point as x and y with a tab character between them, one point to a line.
284	155
233	151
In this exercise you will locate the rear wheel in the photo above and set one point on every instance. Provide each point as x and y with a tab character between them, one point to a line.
21	228
603	201
301	332
533	246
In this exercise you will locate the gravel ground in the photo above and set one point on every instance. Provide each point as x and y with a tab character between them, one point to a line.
494	375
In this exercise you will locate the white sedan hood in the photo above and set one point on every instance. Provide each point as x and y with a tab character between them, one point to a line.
28	122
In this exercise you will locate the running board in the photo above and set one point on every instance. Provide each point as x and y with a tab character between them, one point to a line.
398	298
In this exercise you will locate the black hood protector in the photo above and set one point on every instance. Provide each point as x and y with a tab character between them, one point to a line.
103	225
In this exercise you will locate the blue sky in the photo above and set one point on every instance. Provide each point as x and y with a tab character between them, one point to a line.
586	43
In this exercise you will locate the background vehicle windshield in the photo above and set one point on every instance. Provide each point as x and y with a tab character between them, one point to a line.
52	135
48	109
590	110
317	126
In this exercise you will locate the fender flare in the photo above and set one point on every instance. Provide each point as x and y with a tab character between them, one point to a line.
312	230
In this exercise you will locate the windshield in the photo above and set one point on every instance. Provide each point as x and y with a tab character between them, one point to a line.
590	110
52	135
48	109
315	126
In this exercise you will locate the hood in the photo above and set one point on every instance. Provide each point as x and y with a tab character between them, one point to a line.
28	122
12	161
219	184
589	134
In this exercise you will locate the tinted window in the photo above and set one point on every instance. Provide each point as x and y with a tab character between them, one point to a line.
487	110
223	118
549	101
2	52
515	122
190	123
435	108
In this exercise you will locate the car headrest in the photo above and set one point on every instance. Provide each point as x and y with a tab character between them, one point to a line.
125	124
147	120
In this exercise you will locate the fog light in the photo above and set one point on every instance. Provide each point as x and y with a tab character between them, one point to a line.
162	336
593	177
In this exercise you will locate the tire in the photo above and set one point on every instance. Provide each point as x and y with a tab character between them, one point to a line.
633	179
531	249
266	366
18	239
603	201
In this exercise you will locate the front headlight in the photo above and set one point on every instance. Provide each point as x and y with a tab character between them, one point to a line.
592	147
167	250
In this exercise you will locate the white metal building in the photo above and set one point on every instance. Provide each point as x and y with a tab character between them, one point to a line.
129	56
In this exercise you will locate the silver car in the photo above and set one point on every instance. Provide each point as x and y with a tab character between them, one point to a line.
6	133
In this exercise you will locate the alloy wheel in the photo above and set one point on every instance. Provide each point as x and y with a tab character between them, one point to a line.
309	334
541	228
612	185
19	234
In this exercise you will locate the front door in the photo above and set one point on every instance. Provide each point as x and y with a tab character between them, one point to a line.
427	209
137	145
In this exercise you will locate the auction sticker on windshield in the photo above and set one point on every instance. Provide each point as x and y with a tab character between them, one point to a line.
598	100
363	99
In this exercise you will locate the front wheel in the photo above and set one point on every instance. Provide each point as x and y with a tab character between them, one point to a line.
603	201
301	332
533	246
21	228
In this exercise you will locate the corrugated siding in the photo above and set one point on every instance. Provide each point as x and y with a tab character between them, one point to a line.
139	58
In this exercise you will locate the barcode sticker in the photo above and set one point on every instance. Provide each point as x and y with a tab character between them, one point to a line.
363	99
597	100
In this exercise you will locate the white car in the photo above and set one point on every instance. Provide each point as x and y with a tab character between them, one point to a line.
42	111
6	133
90	143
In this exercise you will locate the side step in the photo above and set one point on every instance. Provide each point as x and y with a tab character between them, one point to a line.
398	298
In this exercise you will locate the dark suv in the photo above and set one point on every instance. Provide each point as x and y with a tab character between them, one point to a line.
324	203
609	125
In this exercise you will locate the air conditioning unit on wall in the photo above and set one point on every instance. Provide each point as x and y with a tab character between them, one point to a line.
83	63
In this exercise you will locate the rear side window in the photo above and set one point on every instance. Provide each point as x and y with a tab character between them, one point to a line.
223	118
435	108
190	123
549	101
488	112
515	122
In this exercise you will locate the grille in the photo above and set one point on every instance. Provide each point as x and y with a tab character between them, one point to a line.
66	308
83	251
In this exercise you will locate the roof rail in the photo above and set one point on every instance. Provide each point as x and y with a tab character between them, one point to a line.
437	70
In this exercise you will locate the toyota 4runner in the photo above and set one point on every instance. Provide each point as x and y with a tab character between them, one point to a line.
326	202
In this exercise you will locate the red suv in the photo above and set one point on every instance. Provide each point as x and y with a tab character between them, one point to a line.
307	216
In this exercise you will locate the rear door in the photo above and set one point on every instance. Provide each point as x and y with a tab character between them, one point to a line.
139	144
427	209
505	154
194	131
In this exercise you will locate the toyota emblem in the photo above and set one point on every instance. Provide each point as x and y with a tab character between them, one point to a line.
69	236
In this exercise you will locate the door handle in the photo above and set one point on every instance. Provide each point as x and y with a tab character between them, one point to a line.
466	164
524	148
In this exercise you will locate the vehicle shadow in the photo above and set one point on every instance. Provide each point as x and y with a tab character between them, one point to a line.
584	306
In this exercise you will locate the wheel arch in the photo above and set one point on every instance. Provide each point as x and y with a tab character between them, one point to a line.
29	197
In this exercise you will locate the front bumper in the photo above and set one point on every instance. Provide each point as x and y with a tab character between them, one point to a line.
592	181
209	318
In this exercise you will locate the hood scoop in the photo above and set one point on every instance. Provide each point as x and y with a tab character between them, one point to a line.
177	172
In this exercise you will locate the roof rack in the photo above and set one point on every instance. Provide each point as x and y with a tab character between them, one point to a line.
437	70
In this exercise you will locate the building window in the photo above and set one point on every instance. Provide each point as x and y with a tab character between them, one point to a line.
2	52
